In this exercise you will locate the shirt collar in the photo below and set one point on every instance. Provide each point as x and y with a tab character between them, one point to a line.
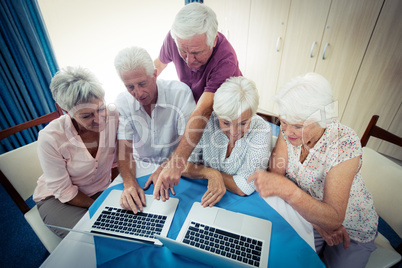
161	101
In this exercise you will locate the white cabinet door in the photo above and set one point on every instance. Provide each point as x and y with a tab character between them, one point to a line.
233	21
305	29
330	38
267	28
378	86
347	33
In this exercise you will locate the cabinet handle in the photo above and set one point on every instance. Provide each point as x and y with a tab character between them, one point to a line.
312	49
325	50
277	44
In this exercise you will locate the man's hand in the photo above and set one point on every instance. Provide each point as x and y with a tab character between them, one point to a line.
216	189
133	197
335	237
168	178
171	173
153	180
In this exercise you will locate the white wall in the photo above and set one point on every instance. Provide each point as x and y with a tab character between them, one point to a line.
90	33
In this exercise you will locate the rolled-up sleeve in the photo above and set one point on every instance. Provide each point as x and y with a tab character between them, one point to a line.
257	157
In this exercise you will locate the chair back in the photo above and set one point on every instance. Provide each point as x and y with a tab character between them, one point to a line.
373	130
22	168
19	172
383	178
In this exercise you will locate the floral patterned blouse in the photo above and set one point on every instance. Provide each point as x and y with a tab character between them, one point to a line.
338	144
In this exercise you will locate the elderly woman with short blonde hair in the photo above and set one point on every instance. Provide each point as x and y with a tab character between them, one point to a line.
76	151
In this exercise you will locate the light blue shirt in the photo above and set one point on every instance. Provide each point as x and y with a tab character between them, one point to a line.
250	153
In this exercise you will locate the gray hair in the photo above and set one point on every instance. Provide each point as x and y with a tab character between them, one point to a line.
307	98
133	58
75	85
195	19
235	96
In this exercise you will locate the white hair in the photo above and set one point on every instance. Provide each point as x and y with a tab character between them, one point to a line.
195	19
133	58
307	98
235	96
75	85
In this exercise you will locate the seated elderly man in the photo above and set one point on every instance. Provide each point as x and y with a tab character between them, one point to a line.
153	114
236	142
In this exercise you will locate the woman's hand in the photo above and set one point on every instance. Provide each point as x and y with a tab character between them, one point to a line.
269	183
216	189
133	197
335	237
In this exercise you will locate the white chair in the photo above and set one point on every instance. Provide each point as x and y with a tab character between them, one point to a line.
19	172
383	178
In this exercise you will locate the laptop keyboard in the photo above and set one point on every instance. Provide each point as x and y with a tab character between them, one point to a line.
126	222
234	246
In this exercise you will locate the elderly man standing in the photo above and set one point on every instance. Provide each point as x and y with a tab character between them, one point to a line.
204	59
153	117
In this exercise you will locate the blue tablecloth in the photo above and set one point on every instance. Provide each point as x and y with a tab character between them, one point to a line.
287	248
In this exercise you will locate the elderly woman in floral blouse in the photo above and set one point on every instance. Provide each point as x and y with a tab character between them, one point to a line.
315	167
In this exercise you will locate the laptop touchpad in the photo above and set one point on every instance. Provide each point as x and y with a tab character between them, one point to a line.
229	220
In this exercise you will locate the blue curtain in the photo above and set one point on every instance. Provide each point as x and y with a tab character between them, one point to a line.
27	65
190	1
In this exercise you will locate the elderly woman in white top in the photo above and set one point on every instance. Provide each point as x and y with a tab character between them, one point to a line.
315	168
235	143
76	151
